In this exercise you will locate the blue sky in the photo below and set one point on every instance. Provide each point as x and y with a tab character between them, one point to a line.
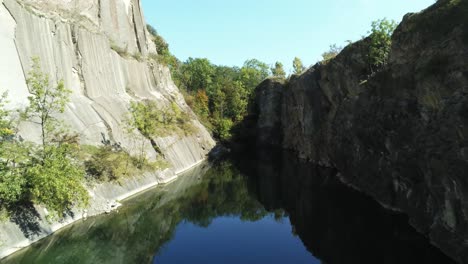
230	32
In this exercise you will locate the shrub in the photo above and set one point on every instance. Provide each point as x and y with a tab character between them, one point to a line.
380	42
55	179
107	163
223	128
152	121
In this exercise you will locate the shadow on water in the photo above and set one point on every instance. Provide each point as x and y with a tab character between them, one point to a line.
335	223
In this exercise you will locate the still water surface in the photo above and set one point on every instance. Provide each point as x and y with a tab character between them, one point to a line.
250	211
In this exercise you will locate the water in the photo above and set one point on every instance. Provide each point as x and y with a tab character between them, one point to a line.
250	211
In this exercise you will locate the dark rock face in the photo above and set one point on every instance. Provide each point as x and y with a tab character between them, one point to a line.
400	135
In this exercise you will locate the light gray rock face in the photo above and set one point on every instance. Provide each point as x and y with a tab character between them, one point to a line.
73	41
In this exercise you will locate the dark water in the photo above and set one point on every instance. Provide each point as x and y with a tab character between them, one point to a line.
258	210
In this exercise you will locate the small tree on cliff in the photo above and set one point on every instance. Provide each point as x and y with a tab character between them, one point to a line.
278	70
380	43
45	102
331	53
54	176
298	66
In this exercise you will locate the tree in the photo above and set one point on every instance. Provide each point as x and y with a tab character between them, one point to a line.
278	70
331	53
380	42
298	66
12	155
196	74
237	100
252	73
45	102
201	104
54	177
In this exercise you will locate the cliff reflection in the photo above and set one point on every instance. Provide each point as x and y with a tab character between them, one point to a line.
335	222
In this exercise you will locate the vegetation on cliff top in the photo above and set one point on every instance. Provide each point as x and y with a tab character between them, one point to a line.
219	95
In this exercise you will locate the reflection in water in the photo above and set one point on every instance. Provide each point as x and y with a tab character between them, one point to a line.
335	223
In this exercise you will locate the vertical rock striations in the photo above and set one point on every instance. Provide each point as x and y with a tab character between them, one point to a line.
101	50
400	135
90	44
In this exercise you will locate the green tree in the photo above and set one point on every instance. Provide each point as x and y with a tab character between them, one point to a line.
237	100
12	156
196	74
252	73
45	102
278	70
331	53
223	128
380	42
54	177
298	66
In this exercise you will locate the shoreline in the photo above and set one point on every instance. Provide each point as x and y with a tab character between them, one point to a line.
66	222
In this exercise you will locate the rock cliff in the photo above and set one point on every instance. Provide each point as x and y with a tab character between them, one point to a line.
401	134
101	50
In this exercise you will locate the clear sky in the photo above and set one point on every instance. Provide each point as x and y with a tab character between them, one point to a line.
230	32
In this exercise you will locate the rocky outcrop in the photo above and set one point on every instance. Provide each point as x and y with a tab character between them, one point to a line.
400	134
101	50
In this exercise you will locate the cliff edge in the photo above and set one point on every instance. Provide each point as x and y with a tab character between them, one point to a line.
400	134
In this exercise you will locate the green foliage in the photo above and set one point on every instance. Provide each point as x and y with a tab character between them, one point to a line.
223	129
217	93
6	129
278	70
153	121
331	53
253	73
380	42
151	30
56	180
50	174
108	163
298	66
196	74
45	101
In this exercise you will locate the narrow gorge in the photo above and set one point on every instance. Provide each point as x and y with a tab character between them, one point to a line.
360	158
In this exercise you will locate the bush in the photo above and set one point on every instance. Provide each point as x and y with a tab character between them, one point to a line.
223	129
380	42
107	163
55	179
152	121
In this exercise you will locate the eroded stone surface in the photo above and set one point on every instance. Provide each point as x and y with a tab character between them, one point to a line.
75	42
399	135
